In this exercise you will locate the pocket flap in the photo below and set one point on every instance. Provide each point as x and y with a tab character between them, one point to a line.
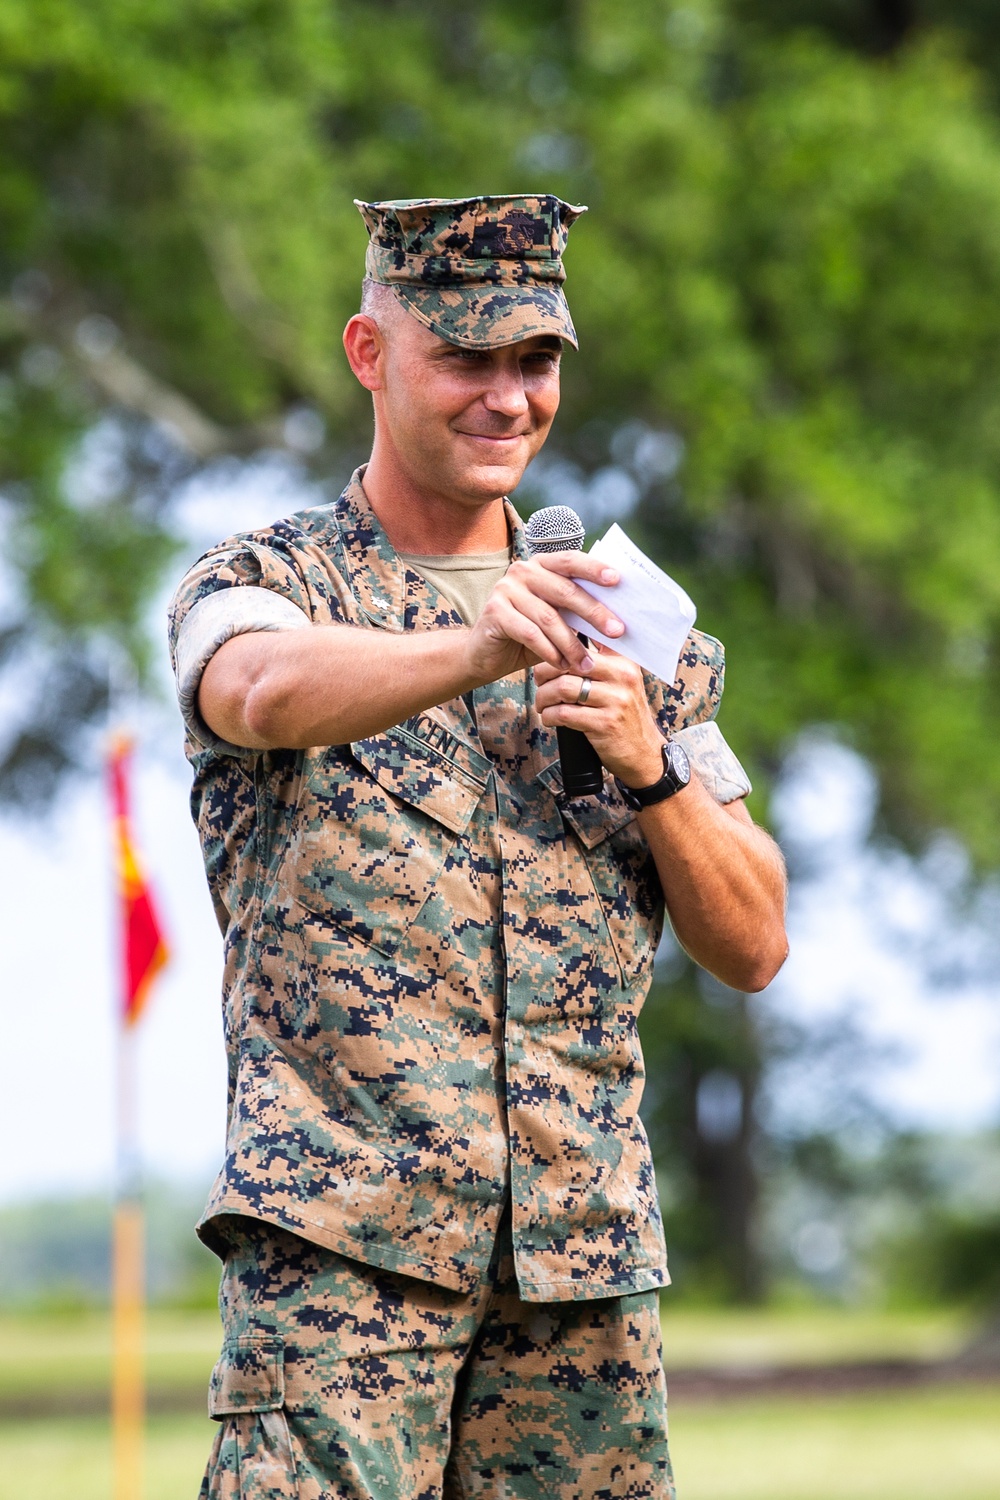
423	764
592	819
249	1376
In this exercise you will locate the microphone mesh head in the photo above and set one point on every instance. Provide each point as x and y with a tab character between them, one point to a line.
554	528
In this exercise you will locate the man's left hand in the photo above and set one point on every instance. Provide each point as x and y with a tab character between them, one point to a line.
723	878
616	717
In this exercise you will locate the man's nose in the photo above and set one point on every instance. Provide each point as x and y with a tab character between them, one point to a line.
505	393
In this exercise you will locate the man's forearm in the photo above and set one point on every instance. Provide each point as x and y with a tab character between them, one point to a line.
332	684
328	685
723	881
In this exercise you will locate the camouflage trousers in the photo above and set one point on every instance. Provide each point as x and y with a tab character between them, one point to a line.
339	1381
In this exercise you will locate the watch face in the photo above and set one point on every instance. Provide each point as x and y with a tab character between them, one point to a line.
680	765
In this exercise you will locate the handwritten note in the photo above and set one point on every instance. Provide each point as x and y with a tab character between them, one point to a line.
655	610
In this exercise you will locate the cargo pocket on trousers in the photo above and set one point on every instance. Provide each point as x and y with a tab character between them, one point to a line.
252	1458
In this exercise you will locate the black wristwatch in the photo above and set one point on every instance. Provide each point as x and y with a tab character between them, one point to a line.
676	775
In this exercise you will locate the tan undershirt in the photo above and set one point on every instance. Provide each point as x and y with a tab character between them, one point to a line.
466	579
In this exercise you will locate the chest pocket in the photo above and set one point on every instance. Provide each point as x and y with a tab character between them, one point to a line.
376	823
621	868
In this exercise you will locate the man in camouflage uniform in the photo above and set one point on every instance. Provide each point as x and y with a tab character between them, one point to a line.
437	1211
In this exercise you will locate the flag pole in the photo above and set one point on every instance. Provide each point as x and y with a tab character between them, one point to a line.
128	1384
128	1373
141	953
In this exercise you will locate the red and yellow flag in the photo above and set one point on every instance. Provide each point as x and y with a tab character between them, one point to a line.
143	947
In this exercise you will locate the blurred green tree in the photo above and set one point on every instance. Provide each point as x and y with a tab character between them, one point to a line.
879	27
788	295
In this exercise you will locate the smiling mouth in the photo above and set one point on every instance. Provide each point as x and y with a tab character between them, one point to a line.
495	437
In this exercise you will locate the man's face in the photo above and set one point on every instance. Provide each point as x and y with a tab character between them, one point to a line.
465	423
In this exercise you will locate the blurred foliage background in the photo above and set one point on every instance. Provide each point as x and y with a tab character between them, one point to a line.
788	298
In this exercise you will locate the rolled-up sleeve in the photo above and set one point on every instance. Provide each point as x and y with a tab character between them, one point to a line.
714	762
215	619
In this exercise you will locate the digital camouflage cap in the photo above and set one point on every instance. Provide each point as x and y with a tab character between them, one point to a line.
479	272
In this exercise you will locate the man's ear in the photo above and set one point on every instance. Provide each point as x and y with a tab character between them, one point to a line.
364	344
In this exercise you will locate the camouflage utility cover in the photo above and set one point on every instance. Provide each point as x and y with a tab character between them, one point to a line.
433	969
479	272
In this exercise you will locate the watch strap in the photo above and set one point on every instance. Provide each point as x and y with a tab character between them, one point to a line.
676	775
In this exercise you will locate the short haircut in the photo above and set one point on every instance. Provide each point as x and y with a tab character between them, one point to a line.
379	302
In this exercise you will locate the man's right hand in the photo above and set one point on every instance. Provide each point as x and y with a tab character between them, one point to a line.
333	684
521	624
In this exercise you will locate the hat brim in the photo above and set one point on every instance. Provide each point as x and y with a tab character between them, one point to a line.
487	316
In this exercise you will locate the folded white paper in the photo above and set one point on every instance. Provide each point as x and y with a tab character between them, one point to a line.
656	612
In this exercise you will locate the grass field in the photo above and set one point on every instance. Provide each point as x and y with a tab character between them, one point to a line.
936	1443
71	1459
56	1352
60	1355
806	1335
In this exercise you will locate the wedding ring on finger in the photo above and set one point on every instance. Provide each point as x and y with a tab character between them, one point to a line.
584	693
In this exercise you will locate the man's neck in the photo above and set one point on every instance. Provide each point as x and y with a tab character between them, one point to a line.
425	524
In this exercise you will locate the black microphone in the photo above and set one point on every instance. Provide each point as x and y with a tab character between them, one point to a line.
556	528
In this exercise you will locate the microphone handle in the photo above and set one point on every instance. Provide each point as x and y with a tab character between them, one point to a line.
582	768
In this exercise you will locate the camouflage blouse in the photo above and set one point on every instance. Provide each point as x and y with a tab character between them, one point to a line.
433	967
